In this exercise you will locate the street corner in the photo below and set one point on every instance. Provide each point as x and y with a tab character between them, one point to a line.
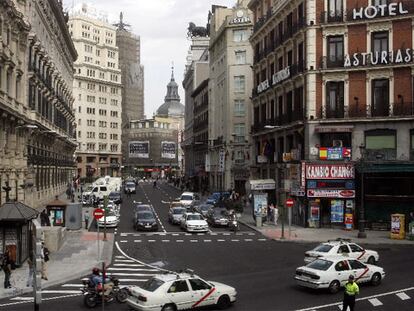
94	236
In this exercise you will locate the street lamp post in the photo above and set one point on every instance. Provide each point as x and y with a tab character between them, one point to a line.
361	219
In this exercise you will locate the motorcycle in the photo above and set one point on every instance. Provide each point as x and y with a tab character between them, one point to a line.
233	224
92	296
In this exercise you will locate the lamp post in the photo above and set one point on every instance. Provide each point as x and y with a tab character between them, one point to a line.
361	219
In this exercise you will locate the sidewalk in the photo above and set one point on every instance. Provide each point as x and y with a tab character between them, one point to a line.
314	235
76	258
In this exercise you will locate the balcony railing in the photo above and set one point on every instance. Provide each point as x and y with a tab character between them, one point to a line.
380	110
332	17
338	113
403	109
330	62
285	119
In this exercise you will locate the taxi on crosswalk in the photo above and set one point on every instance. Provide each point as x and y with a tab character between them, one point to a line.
343	247
180	291
333	272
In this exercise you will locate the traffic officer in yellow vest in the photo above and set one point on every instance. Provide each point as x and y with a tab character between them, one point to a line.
351	290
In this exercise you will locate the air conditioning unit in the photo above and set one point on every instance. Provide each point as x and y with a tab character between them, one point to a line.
337	143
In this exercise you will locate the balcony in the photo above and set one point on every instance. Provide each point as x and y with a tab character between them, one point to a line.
329	62
403	109
262	20
328	17
382	110
338	113
297	68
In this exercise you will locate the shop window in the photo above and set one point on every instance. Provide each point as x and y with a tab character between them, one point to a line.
335	99
381	144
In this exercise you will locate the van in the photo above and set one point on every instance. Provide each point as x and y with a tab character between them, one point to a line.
100	191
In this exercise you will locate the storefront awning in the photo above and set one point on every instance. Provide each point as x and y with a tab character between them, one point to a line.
262	184
16	211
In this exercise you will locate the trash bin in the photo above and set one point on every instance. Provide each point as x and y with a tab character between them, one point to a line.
398	226
411	230
259	221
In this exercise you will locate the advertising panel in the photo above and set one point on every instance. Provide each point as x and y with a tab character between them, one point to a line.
330	193
334	153
260	204
221	160
330	171
168	150
337	211
139	149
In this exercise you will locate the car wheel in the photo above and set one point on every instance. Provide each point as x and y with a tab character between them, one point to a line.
169	307
122	295
376	279
334	287
223	302
371	260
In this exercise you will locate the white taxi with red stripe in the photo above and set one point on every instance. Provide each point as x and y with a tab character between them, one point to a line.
333	272
344	248
179	291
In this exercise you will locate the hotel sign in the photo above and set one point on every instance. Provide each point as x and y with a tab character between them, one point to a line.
263	86
381	10
281	76
379	58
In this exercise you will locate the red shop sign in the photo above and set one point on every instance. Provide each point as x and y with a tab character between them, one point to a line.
330	171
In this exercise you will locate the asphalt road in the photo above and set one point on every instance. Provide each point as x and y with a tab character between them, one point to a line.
260	269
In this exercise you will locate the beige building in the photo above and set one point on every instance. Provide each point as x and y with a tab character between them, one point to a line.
229	86
36	131
98	94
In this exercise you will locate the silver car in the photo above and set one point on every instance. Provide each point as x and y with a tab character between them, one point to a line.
175	214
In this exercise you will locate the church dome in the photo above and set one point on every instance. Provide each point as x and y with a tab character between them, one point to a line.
172	105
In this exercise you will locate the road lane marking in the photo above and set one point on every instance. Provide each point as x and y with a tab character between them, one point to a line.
132	274
179	241
72	285
61	291
137	241
22	298
248	240
123	241
121	257
235	240
193	241
224	233
131	269
219	240
207	240
133	280
375	302
262	240
165	241
151	241
127	265
403	296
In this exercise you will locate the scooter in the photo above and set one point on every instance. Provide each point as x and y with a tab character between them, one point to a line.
92	296
234	225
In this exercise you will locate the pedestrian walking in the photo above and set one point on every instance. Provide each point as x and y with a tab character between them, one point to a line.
7	265
351	290
45	258
86	218
271	212
275	215
29	282
128	193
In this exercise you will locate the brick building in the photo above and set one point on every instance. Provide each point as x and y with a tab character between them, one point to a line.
358	105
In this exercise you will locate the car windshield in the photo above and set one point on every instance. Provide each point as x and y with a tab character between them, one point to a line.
194	217
145	216
143	208
152	284
177	211
114	194
130	185
323	248
186	197
109	213
320	264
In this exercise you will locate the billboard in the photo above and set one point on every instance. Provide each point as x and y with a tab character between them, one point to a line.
139	149
168	150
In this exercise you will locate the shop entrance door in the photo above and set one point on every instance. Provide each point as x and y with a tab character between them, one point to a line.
325	213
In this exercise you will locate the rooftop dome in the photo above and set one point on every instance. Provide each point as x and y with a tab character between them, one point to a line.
172	105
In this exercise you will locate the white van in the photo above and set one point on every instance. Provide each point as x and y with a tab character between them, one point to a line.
98	191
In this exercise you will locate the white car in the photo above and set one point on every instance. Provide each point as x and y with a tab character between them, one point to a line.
344	248
179	291
194	222
187	198
112	220
333	272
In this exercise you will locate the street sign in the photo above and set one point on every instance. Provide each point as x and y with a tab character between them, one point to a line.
98	213
289	202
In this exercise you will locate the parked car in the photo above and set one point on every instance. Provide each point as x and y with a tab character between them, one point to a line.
333	273
115	196
180	291
112	220
218	217
194	222
175	214
145	221
203	209
130	187
344	248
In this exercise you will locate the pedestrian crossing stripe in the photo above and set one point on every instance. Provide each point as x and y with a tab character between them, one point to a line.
403	296
126	234
375	302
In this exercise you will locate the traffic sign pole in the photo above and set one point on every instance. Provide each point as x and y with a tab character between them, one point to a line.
97	214
289	204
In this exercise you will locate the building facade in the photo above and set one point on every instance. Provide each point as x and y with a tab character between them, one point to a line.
349	74
97	90
51	143
196	71
229	86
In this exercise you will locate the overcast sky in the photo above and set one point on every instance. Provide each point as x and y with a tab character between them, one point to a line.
162	26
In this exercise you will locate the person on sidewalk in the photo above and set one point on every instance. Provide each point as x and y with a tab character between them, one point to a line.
275	215
29	282
271	212
86	218
45	258
351	290
6	265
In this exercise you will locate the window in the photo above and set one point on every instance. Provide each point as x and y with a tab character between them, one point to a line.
355	248
178	286
335	99
380	139
239	84
379	2
380	41
240	57
343	249
380	98
197	284
355	264
240	131
412	144
341	266
335	51
335	8
152	284
239	108
239	35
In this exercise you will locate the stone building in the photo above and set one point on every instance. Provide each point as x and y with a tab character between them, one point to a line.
229	86
98	94
51	55
339	104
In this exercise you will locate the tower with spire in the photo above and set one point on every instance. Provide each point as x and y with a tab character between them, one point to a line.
172	106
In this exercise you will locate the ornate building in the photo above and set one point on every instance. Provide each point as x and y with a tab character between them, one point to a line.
98	94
